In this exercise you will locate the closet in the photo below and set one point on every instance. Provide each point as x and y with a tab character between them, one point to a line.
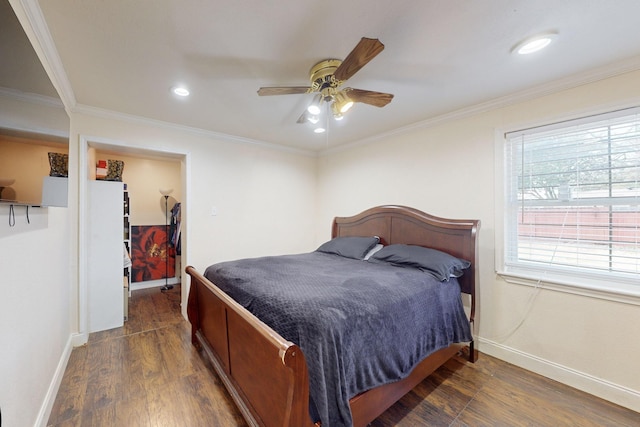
115	210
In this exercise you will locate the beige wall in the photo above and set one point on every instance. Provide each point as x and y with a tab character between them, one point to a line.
449	170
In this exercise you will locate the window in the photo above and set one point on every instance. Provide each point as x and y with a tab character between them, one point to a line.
572	200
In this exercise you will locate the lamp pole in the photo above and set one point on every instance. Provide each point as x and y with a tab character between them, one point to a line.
166	286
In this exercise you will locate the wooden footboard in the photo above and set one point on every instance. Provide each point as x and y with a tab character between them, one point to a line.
265	374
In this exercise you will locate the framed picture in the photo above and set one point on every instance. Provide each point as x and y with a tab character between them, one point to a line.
150	253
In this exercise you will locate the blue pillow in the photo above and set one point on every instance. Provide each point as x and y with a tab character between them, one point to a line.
440	264
350	247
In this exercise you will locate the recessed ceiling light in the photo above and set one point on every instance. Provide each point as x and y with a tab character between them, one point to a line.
534	44
319	130
180	90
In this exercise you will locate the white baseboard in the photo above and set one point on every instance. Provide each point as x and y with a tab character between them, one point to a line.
78	339
604	389
54	386
136	286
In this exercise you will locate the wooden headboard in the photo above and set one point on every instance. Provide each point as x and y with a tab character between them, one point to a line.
401	224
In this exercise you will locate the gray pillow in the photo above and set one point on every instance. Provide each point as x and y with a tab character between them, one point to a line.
440	264
349	247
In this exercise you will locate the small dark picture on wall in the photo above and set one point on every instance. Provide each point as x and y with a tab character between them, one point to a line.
149	252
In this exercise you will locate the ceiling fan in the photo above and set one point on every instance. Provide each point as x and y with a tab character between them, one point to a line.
327	77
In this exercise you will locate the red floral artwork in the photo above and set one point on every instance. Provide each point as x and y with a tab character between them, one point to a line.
149	253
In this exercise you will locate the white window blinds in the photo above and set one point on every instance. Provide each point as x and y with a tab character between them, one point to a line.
573	195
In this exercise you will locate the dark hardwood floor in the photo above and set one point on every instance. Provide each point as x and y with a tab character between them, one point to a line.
147	373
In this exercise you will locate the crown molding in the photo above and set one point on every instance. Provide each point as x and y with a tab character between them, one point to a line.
115	115
591	76
32	98
35	99
31	17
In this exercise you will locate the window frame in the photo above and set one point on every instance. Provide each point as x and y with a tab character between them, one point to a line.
618	287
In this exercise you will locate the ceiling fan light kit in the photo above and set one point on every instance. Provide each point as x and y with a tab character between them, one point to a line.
314	107
327	77
321	75
337	114
342	102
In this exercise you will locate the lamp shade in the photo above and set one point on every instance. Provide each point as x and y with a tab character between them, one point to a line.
342	102
314	107
166	191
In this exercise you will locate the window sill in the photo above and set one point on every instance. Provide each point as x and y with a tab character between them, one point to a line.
589	287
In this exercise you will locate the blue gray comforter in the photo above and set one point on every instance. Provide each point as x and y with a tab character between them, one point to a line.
359	324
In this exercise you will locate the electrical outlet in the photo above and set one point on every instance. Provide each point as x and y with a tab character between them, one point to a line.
214	211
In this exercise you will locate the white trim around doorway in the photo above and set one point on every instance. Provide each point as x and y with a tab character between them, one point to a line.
85	142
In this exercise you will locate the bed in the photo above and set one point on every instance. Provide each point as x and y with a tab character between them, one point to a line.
269	377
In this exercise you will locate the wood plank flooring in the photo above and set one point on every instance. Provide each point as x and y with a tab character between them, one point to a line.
147	373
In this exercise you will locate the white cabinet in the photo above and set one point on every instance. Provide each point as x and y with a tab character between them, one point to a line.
104	256
54	191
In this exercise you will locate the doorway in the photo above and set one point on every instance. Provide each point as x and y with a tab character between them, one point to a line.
90	145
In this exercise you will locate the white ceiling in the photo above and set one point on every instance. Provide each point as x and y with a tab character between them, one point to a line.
440	57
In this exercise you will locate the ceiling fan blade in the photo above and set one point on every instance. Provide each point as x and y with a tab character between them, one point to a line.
283	90
377	99
364	52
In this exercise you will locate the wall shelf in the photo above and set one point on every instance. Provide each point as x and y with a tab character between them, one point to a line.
12	213
16	203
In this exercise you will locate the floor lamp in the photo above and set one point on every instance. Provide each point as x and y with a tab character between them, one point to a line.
165	194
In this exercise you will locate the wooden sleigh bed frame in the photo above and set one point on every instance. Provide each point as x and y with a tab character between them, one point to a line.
267	376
